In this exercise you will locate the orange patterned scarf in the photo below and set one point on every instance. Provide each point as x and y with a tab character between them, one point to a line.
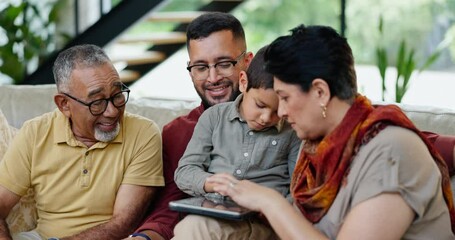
323	165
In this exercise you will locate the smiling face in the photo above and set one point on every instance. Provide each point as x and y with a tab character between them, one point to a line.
218	46
88	84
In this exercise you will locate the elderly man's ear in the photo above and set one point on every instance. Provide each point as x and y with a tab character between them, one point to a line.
62	103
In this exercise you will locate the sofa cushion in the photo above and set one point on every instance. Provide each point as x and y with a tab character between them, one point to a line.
6	134
23	102
23	215
161	111
433	119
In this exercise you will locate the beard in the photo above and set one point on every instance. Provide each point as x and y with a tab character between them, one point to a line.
103	136
207	103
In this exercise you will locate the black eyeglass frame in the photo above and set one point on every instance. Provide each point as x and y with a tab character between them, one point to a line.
125	89
208	66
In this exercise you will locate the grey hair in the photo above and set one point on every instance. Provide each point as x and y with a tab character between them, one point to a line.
85	55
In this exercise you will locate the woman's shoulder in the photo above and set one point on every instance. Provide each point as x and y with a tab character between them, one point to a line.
399	144
396	159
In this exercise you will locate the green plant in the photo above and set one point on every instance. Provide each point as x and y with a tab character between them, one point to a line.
405	65
29	30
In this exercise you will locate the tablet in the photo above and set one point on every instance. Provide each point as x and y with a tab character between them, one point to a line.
217	206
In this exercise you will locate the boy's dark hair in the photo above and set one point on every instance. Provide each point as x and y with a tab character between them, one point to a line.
314	52
208	23
257	76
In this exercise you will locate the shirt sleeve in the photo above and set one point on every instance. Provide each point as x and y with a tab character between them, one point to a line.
15	166
293	153
292	159
146	167
397	160
192	169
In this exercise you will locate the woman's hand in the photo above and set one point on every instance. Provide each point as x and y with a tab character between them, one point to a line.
287	222
245	193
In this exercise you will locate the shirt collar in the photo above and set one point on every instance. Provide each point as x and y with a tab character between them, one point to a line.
67	136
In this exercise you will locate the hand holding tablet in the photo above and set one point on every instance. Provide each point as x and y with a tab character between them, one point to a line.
213	205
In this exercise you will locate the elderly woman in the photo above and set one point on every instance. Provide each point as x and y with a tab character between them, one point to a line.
364	172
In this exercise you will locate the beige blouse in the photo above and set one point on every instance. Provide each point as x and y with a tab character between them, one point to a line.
396	160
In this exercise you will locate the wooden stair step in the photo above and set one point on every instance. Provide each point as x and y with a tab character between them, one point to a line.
139	58
128	76
155	38
181	16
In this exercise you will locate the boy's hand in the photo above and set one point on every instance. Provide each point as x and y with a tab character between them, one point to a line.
208	187
215	180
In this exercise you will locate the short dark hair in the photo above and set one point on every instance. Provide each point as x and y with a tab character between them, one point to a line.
314	52
208	23
257	76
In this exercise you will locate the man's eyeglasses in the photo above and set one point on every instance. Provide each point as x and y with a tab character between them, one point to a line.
98	107
224	68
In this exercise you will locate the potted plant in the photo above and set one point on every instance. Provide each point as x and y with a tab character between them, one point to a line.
29	36
405	65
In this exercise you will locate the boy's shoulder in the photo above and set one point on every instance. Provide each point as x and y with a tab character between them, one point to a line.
221	107
231	105
221	112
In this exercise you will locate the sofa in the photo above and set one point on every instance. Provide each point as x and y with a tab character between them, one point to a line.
20	103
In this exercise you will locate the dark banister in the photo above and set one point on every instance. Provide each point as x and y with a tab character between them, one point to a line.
101	33
101	8
76	17
169	49
343	18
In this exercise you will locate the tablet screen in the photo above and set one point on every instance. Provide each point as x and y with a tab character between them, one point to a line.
211	206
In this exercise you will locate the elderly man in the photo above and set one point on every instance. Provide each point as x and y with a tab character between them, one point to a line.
93	166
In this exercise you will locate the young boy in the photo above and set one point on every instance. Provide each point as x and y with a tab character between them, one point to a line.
245	138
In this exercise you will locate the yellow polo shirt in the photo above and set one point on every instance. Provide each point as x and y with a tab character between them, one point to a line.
75	186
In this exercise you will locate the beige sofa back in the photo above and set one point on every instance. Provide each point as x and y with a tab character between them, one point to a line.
20	103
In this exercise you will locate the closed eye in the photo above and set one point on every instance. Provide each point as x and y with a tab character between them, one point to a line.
200	68
224	64
260	105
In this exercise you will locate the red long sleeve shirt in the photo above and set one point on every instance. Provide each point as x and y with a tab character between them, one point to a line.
445	145
176	136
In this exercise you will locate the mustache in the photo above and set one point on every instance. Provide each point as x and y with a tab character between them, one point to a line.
222	82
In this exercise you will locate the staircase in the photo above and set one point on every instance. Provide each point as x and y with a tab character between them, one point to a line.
135	55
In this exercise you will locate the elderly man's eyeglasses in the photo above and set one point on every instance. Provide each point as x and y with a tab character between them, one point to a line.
99	106
224	68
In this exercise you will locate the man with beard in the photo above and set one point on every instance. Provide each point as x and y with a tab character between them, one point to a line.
217	51
93	166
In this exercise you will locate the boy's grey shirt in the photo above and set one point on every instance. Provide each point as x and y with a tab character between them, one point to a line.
223	143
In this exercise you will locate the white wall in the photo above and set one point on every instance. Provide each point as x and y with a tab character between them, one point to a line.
430	88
